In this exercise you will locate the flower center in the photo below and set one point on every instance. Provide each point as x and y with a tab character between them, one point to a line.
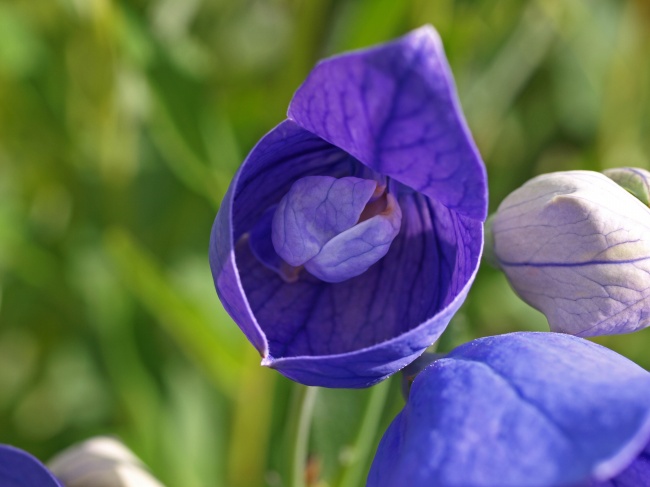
335	228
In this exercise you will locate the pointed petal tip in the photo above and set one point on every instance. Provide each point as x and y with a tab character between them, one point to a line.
426	30
394	107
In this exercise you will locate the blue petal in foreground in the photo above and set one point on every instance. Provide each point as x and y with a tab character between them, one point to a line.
636	475
519	410
19	469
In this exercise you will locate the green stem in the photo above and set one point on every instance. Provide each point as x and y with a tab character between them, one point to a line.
353	474
301	441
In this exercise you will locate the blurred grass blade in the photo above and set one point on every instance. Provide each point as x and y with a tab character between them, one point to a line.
251	423
300	453
181	320
354	473
493	94
222	148
371	22
195	417
182	160
109	313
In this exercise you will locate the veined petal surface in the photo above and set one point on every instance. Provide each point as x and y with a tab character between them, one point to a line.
380	292
283	156
394	108
518	410
315	210
357	332
576	246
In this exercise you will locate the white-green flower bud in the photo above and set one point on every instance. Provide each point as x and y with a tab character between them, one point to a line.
101	462
576	246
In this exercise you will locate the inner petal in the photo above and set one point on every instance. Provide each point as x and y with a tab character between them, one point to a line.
352	252
316	209
425	268
336	228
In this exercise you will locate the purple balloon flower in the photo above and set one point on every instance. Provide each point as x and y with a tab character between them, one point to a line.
353	230
20	469
522	410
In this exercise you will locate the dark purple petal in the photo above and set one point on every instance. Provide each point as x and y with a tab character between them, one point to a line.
408	136
261	245
283	156
395	109
518	410
357	332
353	333
20	469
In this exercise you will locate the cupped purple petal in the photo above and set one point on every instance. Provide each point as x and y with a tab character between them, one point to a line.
261	244
283	156
520	410
357	332
394	108
576	246
346	307
20	469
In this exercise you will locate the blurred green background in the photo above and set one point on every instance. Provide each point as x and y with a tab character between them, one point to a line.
121	124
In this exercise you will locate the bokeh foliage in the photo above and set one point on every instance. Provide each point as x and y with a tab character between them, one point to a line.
121	124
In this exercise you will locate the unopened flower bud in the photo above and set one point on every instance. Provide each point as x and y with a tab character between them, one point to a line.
576	246
101	462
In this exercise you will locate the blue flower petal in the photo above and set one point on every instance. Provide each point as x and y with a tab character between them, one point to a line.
520	410
636	475
315	210
351	253
261	244
357	332
394	108
283	156
20	469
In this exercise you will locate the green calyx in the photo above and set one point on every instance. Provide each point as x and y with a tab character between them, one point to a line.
633	179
